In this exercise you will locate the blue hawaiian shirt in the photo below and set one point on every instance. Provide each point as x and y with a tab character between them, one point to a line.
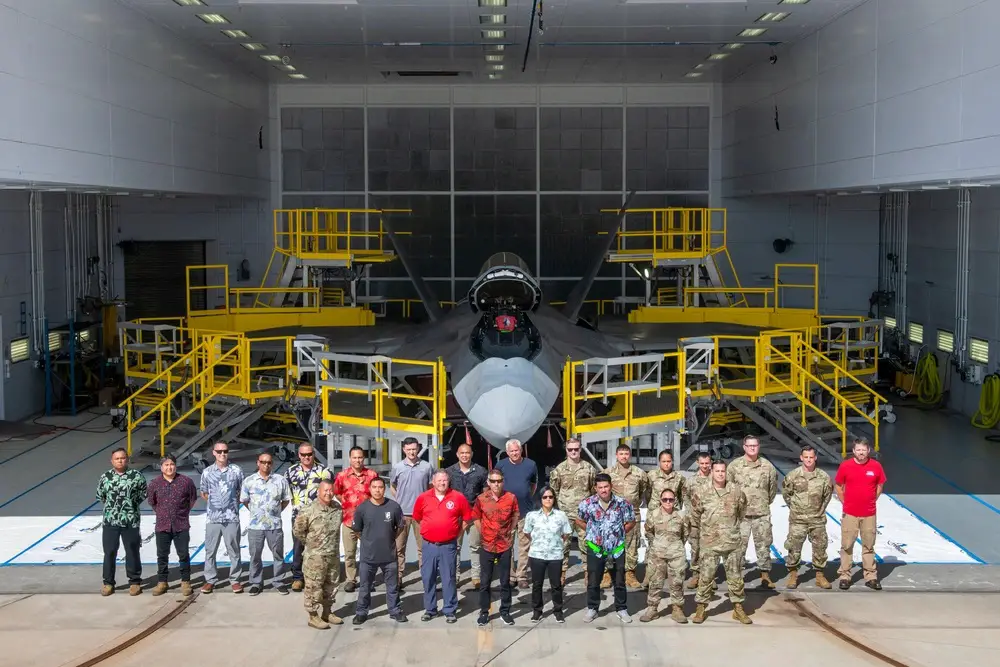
546	533
606	527
263	497
223	488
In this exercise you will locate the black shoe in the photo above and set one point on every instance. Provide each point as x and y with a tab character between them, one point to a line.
350	587
536	616
254	590
483	619
399	618
450	618
427	617
358	620
281	588
845	584
507	620
559	617
874	585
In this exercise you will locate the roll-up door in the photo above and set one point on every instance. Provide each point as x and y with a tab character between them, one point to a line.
155	277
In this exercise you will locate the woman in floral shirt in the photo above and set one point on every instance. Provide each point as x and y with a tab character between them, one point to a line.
549	529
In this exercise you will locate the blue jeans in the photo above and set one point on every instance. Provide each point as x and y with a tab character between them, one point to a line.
440	560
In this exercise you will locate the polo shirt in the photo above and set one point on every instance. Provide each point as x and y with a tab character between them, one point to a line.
860	481
518	478
497	519
409	481
441	520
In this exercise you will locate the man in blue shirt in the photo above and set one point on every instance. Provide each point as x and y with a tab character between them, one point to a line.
220	487
520	478
266	496
606	518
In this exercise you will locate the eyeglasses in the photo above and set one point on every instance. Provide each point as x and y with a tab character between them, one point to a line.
667	500
265	463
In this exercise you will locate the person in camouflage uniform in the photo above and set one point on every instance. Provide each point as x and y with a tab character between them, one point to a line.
759	480
717	512
665	477
631	483
666	531
807	491
572	481
700	481
318	527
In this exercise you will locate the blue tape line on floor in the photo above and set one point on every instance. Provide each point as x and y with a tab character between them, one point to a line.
49	534
947	481
53	438
938	531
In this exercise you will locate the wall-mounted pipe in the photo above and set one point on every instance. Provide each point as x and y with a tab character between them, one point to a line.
962	276
37	260
67	262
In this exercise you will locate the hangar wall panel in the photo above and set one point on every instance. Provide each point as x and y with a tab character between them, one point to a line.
97	95
893	92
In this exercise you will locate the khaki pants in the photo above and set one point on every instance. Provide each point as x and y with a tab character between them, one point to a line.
850	527
408	525
350	554
520	571
474	539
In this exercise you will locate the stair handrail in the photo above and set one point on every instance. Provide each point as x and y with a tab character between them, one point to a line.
802	394
847	374
165	374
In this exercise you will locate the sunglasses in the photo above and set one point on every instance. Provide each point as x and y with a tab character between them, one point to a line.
305	455
548	497
572	449
667	500
221	451
495	481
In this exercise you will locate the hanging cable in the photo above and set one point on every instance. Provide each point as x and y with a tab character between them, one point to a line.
988	414
531	29
928	380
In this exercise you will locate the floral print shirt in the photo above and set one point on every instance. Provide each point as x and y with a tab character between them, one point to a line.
546	531
606	527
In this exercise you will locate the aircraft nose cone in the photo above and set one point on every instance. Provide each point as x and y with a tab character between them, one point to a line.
506	398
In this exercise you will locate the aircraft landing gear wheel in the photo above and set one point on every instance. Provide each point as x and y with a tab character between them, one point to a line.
282	453
726	452
889	417
199	465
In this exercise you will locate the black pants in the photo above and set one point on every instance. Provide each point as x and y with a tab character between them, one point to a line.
489	563
180	540
366	573
595	572
297	549
129	537
539	568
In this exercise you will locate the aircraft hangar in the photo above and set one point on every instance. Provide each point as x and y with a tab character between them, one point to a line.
662	223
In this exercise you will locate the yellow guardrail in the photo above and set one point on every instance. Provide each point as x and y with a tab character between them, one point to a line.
670	233
333	233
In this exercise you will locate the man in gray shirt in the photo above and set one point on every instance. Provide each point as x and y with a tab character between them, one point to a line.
266	496
377	522
408	479
220	487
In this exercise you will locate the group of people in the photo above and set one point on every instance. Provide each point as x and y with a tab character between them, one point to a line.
715	512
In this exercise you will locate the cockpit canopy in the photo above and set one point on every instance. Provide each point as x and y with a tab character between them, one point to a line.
505	281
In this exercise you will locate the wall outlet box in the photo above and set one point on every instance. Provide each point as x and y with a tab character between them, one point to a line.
974	374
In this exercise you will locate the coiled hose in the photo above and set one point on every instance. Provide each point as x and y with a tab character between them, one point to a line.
928	380
988	413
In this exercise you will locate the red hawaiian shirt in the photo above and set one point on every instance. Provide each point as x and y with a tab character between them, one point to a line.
352	488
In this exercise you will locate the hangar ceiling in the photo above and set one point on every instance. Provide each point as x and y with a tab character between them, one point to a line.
572	41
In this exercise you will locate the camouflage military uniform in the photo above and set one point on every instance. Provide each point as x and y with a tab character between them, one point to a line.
659	480
666	534
807	495
759	480
632	484
318	527
572	482
717	515
692	486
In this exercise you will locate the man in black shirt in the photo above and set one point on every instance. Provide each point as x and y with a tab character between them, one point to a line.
377	523
469	479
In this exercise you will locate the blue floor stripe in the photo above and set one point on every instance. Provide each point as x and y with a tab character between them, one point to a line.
938	531
947	481
42	444
49	534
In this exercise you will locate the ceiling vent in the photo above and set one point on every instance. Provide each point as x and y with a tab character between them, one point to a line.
425	74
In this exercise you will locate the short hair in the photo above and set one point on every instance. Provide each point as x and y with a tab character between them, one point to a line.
326	480
265	453
719	462
808	448
357	448
305	444
410	440
602	477
513	441
862	441
441	472
119	449
748	438
377	479
496	472
555	499
704	455
623	447
665	452
164	459
569	440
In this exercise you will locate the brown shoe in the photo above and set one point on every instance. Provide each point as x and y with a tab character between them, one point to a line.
606	580
793	579
207	588
765	580
741	615
475	584
186	589
316	622
237	587
134	589
700	613
631	581
332	619
822	581
160	589
650	614
692	583
678	614
107	589
298	585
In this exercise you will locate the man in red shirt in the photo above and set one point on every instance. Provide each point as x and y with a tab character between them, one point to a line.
442	514
351	488
859	483
496	514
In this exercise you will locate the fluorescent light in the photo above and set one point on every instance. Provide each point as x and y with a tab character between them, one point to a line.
734	46
718	56
774	17
213	18
236	34
253	46
702	66
492	3
297	76
493	34
189	3
693	75
494	59
497	68
494	47
493	19
753	32
289	68
496	76
271	58
793	2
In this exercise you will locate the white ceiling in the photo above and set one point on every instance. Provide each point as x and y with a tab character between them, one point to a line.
584	41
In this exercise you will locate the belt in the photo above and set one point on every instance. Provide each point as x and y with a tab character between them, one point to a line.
440	544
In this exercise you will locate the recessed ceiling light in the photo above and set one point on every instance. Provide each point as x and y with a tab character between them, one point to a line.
253	46
213	18
496	68
189	3
793	2
494	47
753	32
236	34
494	59
701	66
734	46
718	56
288	68
297	76
493	19
495	76
493	34
693	75
773	17
270	57
492	3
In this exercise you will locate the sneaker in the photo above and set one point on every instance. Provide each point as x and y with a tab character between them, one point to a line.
281	588
623	615
507	620
590	615
207	588
237	587
426	617
399	617
451	618
483	619
254	590
358	620
559	617
536	616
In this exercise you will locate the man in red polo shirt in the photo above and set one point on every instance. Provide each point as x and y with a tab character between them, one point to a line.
496	514
859	484
351	486
442	514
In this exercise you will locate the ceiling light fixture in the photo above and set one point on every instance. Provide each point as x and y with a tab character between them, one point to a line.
494	59
718	56
734	46
493	34
693	75
270	57
702	66
793	2
213	18
236	34
753	32
494	47
496	68
189	3
253	46
774	17
297	76
493	19
288	68
492	3
495	76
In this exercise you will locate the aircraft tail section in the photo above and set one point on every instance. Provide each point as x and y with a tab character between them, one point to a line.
579	294
431	306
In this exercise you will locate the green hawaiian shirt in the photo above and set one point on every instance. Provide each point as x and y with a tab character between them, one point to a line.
122	494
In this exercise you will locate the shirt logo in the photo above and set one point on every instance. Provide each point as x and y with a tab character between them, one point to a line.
870	473
450	504
388	516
